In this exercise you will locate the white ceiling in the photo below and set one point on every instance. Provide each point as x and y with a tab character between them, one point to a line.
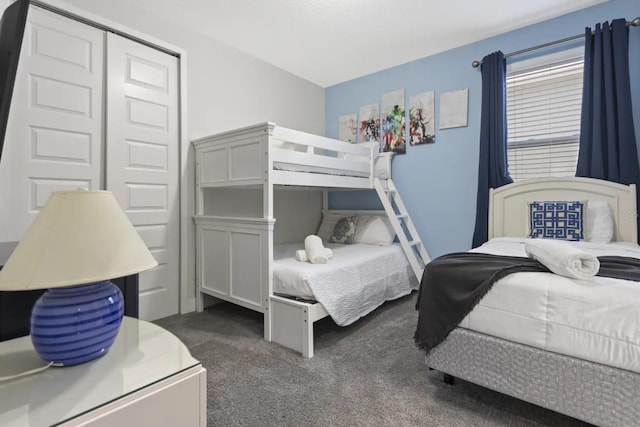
332	41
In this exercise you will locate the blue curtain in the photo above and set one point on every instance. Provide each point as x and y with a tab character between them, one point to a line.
607	137
492	168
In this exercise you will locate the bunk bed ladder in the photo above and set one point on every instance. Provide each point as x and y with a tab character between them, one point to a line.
405	230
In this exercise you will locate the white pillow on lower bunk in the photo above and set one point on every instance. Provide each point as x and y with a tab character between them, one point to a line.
329	221
370	229
374	230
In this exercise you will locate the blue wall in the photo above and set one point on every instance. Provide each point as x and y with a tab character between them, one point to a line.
438	182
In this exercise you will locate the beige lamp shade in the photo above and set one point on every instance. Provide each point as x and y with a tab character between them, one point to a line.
78	237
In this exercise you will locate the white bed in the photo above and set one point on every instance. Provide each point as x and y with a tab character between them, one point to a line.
239	175
596	320
357	280
571	346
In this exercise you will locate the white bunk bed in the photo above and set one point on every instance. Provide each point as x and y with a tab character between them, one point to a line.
238	174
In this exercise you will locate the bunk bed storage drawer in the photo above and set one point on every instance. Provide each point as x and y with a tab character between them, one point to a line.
232	254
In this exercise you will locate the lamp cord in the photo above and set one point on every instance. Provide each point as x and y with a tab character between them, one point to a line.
24	374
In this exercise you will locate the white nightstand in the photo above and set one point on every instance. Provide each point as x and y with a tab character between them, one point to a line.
148	378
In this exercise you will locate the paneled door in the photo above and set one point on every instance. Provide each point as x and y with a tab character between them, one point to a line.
142	160
54	133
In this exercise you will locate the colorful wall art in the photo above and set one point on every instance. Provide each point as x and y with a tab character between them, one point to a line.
347	128
369	117
421	118
393	122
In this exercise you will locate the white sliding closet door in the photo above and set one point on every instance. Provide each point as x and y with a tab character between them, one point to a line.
54	134
142	160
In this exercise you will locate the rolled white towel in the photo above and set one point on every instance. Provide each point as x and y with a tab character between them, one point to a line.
301	254
563	258
315	250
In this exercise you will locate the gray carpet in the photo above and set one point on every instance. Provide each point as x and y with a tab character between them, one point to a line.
367	374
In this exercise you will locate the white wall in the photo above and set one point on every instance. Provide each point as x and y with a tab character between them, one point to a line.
226	88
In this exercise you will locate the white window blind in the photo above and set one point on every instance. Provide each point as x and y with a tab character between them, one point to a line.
543	119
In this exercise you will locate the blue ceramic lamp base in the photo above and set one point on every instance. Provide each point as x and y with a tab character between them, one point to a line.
74	325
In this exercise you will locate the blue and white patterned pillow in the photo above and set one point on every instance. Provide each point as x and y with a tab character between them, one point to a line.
556	220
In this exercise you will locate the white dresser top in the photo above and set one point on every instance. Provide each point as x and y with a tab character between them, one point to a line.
142	354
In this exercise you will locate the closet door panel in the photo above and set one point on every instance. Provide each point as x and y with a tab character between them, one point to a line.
54	134
142	161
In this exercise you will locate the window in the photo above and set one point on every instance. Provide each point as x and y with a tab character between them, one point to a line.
544	97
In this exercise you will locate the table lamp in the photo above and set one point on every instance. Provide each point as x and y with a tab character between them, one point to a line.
78	241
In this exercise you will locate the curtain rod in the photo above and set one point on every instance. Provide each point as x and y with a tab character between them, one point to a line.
476	64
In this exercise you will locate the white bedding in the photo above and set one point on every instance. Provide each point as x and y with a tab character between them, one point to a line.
595	320
316	169
357	280
381	170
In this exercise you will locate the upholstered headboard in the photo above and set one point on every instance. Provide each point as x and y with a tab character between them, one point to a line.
508	204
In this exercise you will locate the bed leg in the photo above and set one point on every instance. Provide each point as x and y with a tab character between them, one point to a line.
199	301
267	320
307	335
449	379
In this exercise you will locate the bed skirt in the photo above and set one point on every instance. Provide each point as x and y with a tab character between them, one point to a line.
591	392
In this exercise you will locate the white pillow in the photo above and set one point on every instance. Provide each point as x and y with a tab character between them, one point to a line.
382	169
374	230
329	221
375	147
598	222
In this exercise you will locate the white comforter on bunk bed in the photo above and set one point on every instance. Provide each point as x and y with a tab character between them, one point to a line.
357	280
596	320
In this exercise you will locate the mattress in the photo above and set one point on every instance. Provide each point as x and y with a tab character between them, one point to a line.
357	280
382	168
597	320
315	169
